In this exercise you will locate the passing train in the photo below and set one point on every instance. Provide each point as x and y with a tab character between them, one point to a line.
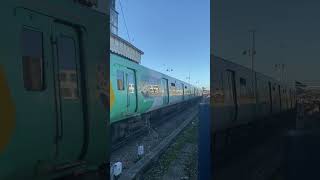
53	106
241	98
137	92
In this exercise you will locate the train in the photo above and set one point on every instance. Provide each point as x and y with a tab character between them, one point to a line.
53	74
242	98
137	92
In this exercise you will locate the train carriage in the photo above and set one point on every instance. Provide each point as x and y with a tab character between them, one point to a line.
137	91
52	118
241	97
244	98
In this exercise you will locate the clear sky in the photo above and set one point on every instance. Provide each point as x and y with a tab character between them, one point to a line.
172	34
288	32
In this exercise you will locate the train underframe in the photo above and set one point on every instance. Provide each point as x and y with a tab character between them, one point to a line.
130	127
231	142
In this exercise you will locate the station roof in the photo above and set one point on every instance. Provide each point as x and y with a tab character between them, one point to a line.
124	48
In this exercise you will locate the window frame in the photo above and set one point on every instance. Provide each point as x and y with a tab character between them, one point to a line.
122	79
43	86
61	44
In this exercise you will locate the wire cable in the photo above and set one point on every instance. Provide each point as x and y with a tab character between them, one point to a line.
124	19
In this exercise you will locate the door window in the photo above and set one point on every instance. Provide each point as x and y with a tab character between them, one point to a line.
67	68
131	83
120	80
243	87
32	60
165	91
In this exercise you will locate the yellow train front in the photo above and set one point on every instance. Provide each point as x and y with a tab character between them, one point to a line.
53	107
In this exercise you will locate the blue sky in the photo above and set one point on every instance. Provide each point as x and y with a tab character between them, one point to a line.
287	32
173	34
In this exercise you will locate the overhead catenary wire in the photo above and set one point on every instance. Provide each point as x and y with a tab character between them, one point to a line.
124	20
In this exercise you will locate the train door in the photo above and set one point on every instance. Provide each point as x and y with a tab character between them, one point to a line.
290	98
280	101
287	99
183	93
232	95
69	93
131	91
165	94
36	88
270	96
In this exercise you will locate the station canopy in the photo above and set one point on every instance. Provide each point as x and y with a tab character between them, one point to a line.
124	48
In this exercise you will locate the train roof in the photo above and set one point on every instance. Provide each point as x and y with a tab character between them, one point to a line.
77	13
258	73
131	63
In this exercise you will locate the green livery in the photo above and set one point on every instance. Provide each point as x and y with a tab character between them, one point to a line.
136	89
53	113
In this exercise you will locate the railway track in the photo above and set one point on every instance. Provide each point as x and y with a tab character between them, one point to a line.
145	129
169	127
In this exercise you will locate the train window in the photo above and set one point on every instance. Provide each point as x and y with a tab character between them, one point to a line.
186	87
68	67
32	60
120	80
173	84
131	83
243	84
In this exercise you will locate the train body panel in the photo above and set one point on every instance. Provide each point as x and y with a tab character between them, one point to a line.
238	100
48	122
263	107
152	90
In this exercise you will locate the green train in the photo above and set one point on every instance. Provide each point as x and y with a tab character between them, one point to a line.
53	74
137	92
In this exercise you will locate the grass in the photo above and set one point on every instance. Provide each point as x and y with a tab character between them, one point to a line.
189	135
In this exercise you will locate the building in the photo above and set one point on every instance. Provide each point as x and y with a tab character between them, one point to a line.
113	18
118	45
